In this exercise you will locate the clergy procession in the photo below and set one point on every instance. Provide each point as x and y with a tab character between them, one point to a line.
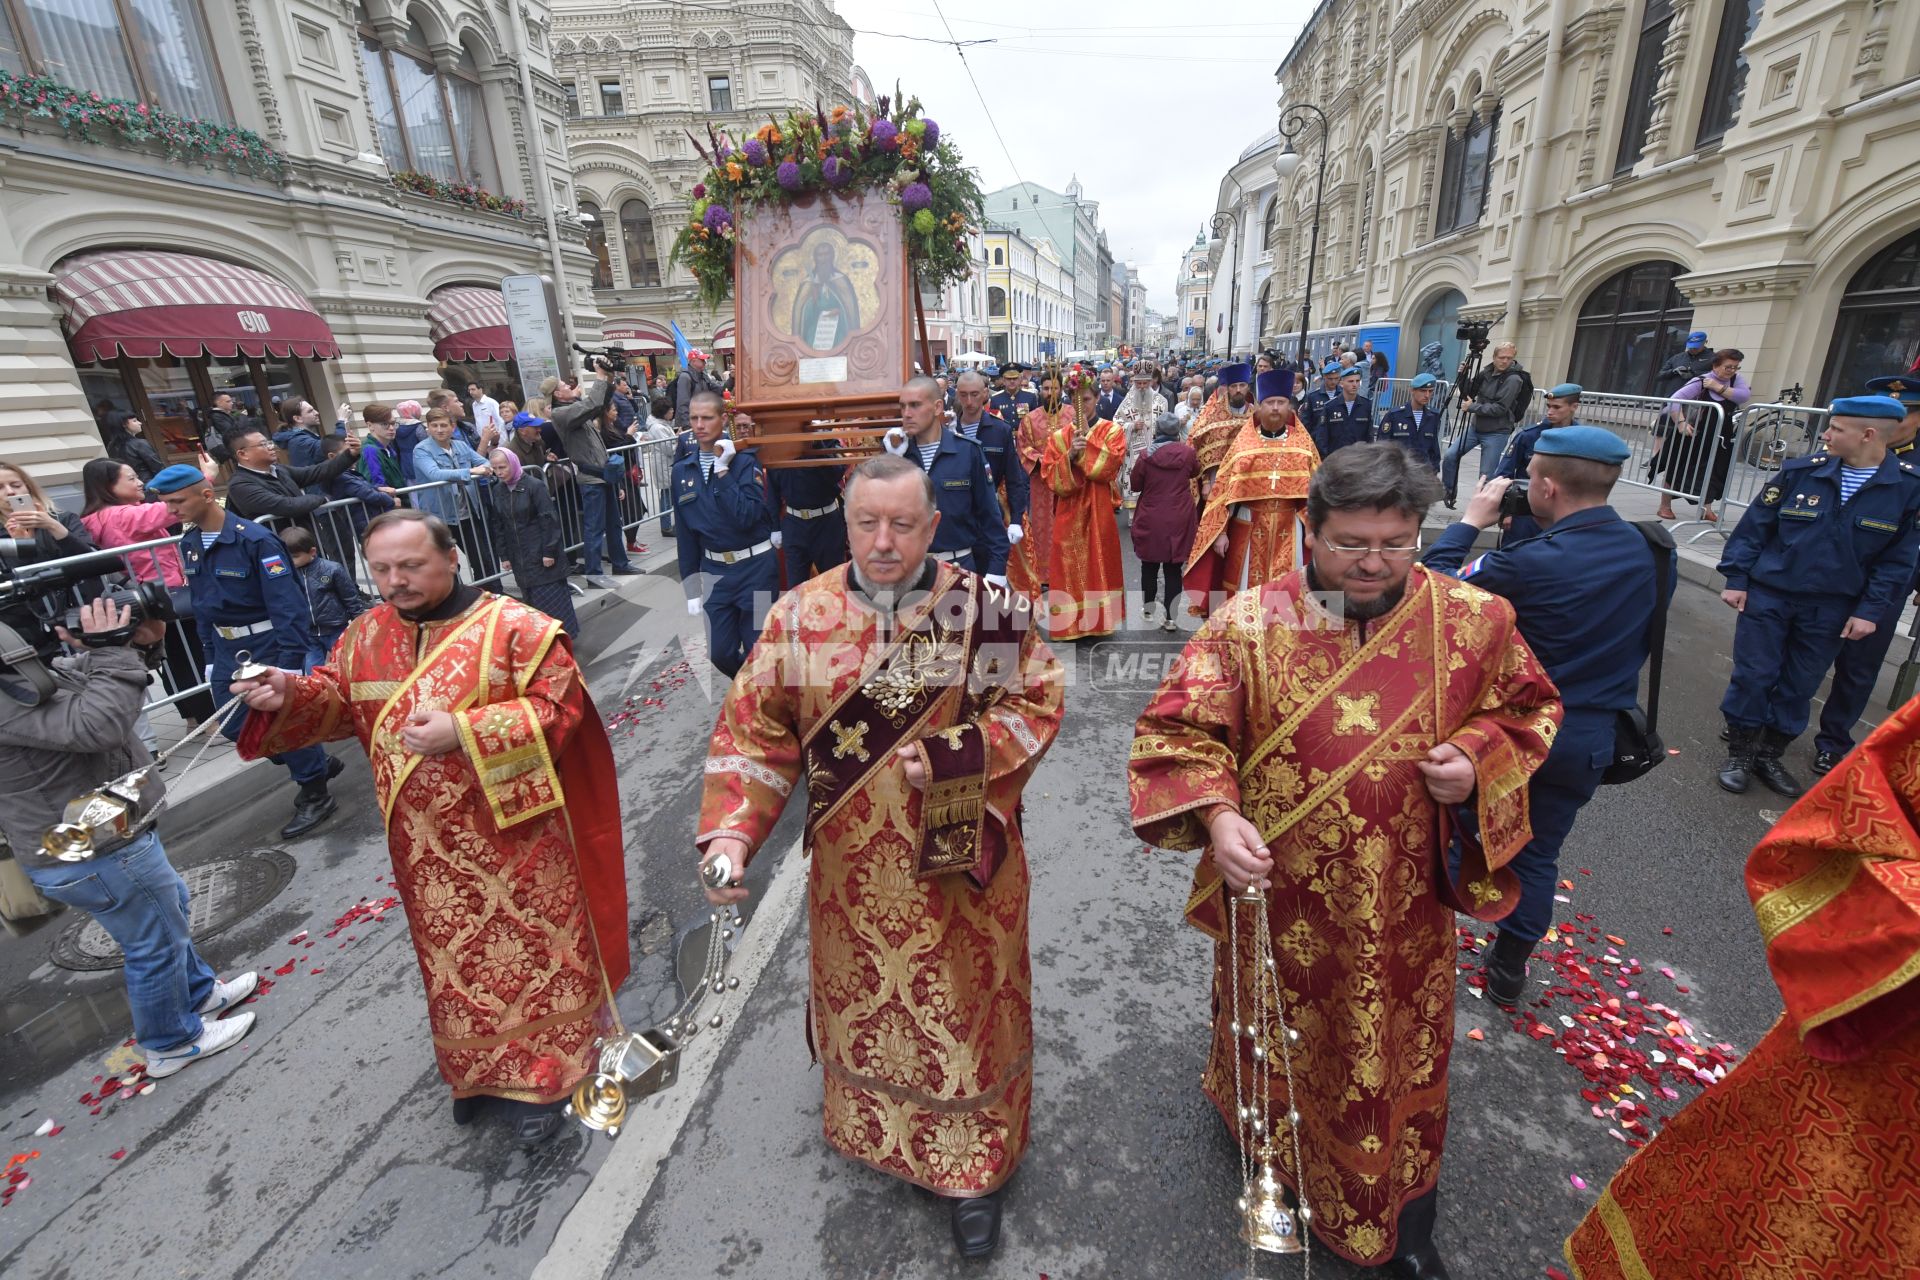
1050	785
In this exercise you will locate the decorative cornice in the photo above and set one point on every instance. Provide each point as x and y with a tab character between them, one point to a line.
1772	281
262	73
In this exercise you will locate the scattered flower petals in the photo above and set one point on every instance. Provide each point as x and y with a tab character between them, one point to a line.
47	1129
1579	1183
1476	1034
121	1154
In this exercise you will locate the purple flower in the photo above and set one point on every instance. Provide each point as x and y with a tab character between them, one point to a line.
788	175
915	196
884	134
699	190
837	172
933	133
722	149
718	219
755	151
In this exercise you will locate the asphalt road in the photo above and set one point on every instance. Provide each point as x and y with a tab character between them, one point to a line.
325	1146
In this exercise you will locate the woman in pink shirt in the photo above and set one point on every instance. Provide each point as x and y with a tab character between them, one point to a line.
118	515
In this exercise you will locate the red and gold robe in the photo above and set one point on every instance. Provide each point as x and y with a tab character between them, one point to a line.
1214	429
1030	559
506	851
920	1006
1801	1164
1257	499
1087	588
1313	730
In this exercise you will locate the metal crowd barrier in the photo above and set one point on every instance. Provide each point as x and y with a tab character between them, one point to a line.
1454	424
1678	448
1391	393
1766	435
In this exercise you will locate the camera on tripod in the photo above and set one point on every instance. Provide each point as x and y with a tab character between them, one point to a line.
612	359
1475	333
34	601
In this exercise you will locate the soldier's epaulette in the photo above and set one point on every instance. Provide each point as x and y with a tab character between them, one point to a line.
1807	461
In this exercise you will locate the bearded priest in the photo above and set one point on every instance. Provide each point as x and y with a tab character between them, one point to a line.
1219	421
1320	738
1250	530
916	699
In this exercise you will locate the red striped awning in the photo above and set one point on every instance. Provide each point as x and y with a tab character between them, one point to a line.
646	336
148	303
723	336
469	322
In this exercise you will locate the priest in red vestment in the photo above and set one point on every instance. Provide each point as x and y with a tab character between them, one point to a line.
1217	425
1801	1164
495	777
1083	460
1250	529
1328	756
1031	558
916	699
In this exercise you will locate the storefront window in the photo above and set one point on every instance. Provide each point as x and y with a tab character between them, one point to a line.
172	396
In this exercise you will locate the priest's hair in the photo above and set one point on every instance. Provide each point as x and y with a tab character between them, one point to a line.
887	466
436	527
1371	477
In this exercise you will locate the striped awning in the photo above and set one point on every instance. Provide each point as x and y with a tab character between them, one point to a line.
645	336
723	336
148	303
469	322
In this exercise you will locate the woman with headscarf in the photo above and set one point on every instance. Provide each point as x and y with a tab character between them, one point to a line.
1164	521
526	536
126	442
408	431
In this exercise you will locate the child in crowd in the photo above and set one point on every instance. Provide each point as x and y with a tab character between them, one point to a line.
331	590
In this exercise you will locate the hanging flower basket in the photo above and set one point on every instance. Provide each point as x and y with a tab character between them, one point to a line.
899	152
90	117
425	184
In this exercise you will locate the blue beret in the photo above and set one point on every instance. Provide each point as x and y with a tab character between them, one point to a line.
1901	386
1333	366
992	371
1232	373
1566	391
1422	380
1698	338
1597	444
1868	407
175	478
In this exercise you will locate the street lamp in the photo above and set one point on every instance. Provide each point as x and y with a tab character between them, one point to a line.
1222	220
1293	122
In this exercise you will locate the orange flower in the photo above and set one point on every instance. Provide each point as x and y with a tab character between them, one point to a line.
909	147
735	172
839	114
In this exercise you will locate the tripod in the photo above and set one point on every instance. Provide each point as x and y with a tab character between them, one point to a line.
1469	369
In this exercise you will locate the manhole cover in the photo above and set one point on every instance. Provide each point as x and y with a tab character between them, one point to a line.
219	893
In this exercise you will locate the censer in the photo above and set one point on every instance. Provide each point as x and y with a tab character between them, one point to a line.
1267	1224
631	1066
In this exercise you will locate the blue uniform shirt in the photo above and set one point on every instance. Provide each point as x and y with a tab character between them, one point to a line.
1338	424
970	519
1422	440
1800	539
1513	463
808	488
1582	593
246	577
726	513
1012	406
995	439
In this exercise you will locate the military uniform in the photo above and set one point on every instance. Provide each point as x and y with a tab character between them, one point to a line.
972	532
995	439
1857	668
1418	434
1808	562
1583	593
1315	401
725	544
813	520
1341	422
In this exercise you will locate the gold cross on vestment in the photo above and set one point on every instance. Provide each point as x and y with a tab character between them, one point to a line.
1356	714
850	741
952	736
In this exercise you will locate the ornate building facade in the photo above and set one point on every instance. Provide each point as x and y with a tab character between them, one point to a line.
642	80
1599	180
312	198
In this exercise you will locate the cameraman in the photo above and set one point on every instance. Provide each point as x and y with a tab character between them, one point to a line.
576	420
1583	594
1493	401
56	749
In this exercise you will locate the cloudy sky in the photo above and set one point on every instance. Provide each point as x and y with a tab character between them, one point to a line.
1147	109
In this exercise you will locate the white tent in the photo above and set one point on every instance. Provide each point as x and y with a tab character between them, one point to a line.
970	357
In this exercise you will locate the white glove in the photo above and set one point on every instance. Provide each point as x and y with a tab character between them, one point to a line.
693	607
997	579
895	442
723	456
1014	534
776	539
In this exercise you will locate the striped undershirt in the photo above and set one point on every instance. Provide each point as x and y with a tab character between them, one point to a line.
1851	478
926	455
706	464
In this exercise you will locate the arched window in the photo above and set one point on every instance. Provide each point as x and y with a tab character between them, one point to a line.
1656	20
1628	326
1728	80
1365	240
1466	173
636	241
999	258
1439	352
155	51
1271	223
996	301
428	121
1879	325
1263	311
597	245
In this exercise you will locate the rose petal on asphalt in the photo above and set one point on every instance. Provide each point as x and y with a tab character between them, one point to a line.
121	1154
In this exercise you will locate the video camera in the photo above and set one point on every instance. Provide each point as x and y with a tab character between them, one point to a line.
1475	333
612	359
33	602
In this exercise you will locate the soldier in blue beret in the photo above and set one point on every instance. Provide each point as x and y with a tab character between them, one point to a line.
1858	666
1562	407
1312	403
1584	592
1415	425
1825	556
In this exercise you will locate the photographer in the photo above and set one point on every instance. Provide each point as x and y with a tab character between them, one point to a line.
577	417
57	749
1583	592
1493	401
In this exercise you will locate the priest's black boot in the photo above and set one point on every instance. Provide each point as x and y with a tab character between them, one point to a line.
1507	968
1416	1258
1768	767
1736	771
976	1225
314	806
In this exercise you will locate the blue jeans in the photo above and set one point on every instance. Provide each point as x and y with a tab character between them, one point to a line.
140	900
1491	444
594	502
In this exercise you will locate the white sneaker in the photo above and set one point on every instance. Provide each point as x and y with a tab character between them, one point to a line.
228	994
214	1036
